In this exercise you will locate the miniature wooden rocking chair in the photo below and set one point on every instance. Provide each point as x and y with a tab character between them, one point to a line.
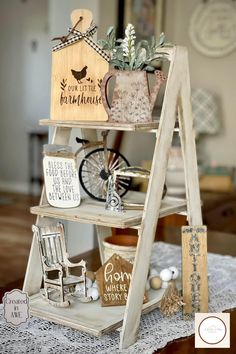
57	279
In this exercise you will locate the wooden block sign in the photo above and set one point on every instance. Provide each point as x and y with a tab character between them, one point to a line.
61	176
194	268
78	67
113	280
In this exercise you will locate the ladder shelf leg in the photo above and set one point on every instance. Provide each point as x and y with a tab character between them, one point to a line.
151	212
187	137
175	89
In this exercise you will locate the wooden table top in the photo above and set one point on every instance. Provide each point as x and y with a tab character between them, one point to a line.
218	242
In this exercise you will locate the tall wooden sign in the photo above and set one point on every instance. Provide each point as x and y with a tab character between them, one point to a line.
194	263
78	67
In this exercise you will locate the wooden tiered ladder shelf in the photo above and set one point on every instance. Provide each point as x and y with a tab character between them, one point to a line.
92	318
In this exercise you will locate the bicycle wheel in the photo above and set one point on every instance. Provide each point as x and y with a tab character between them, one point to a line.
94	178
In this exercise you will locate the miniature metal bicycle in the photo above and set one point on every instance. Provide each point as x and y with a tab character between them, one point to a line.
98	165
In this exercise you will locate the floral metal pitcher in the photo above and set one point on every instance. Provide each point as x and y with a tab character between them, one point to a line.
132	101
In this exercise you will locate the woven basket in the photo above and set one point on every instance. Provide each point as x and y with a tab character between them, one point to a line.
123	245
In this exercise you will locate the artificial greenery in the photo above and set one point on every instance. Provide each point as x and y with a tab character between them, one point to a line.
126	54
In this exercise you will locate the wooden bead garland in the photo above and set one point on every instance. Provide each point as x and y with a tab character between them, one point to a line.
162	280
155	283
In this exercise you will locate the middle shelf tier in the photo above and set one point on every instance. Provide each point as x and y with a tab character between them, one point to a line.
94	212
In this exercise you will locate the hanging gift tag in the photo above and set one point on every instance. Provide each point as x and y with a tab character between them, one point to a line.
113	280
61	176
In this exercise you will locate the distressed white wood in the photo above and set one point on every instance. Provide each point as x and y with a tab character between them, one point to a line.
99	125
89	317
151	208
33	276
91	211
187	137
194	216
178	86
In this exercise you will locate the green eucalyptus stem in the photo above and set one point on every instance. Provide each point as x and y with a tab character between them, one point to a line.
126	55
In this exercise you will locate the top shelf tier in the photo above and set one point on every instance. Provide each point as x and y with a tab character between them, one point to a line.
145	127
148	127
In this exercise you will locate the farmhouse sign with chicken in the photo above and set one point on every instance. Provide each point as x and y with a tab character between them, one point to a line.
78	67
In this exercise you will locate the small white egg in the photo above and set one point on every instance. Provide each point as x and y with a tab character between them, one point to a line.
175	272
93	292
166	274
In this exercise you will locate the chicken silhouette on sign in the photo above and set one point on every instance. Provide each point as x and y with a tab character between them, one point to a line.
78	67
79	75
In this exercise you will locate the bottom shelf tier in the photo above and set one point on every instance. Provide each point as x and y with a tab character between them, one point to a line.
89	317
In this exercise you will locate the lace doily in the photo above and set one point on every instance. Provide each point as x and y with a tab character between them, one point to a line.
155	331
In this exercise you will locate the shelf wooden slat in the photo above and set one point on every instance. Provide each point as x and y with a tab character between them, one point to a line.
89	317
93	212
149	127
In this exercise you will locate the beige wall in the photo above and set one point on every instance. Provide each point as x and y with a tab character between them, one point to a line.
215	74
24	85
107	16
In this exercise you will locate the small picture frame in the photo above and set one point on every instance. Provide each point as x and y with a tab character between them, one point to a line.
146	16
